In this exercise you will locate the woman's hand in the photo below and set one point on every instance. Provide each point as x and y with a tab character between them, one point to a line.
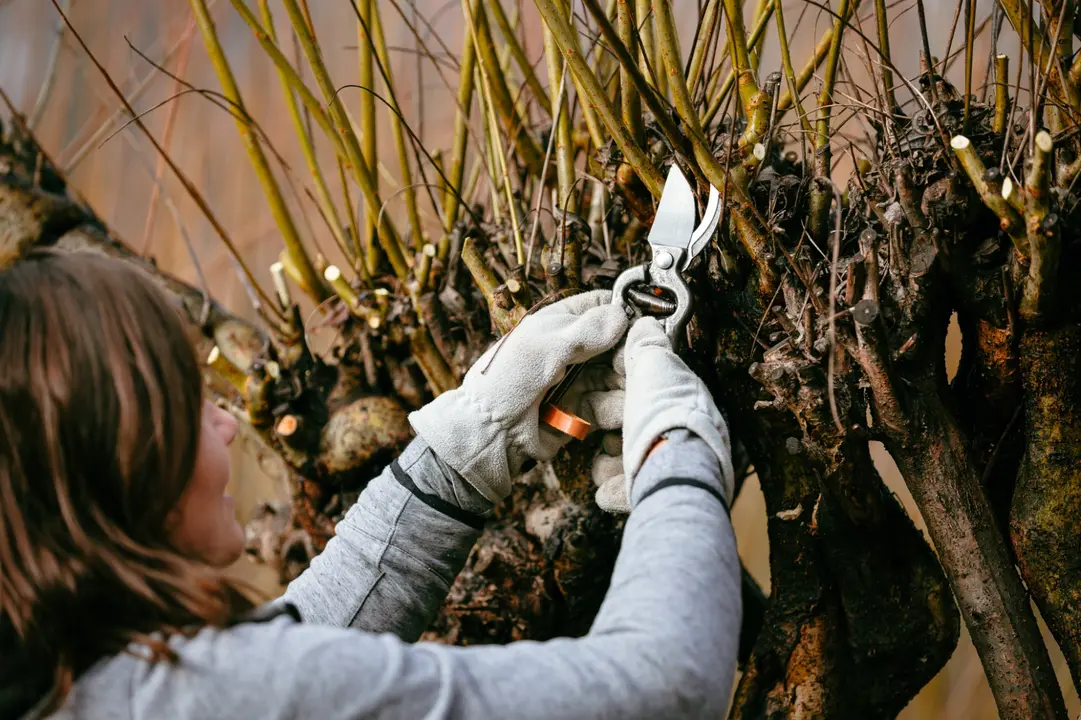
662	394
487	428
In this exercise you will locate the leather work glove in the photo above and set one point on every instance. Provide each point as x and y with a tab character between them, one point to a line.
612	495
662	394
487	428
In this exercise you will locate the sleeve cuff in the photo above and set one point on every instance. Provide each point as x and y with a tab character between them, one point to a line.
432	477
434	501
686	459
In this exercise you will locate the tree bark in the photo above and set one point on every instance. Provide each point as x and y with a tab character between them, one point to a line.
1046	520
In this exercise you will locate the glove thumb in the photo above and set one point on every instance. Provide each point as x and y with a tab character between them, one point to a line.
611	495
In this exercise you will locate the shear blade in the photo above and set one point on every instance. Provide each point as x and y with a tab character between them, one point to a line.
701	235
673	225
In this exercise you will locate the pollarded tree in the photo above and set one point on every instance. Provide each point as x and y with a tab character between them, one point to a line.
821	314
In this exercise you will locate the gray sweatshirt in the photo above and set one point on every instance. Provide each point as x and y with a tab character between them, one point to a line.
662	646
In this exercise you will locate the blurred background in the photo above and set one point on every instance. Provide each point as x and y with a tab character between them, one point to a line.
77	121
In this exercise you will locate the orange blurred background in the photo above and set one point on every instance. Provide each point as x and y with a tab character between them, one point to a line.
117	177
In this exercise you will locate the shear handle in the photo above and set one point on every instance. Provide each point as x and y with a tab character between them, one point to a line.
640	275
636	275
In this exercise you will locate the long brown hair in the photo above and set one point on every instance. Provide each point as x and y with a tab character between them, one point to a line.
100	406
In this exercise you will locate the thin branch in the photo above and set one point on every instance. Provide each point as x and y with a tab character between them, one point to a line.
927	59
488	89
721	96
418	81
457	155
354	223
970	42
944	63
630	100
326	204
561	129
170	123
833	346
790	78
821	194
594	93
388	234
49	82
187	183
647	35
1002	94
83	150
657	106
821	49
298	255
510	38
761	8
527	150
396	127
368	130
1034	41
539	192
707	29
882	21
1009	219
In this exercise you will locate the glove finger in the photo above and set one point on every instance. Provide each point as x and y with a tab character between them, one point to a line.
603	409
619	359
596	375
612	443
547	347
612	496
599	379
614	381
549	442
577	304
596	331
645	332
537	353
605	468
596	378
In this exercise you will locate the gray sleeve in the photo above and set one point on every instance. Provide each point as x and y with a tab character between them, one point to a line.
393	557
662	646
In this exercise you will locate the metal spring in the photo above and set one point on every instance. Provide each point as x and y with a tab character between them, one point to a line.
652	303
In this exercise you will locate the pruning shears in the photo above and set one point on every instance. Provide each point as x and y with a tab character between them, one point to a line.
658	285
675	242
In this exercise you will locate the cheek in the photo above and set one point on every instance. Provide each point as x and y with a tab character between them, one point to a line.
211	463
206	529
204	524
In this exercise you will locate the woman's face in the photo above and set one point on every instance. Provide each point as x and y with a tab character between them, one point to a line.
203	524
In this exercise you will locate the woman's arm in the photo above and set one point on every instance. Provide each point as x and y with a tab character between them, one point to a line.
663	645
665	640
399	548
396	552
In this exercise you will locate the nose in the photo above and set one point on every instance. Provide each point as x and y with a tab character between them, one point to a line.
230	429
225	424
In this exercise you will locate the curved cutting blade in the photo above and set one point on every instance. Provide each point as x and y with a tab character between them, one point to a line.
701	235
673	224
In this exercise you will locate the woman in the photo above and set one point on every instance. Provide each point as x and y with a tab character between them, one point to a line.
115	527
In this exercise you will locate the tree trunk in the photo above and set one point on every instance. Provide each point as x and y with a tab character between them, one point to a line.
820	327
